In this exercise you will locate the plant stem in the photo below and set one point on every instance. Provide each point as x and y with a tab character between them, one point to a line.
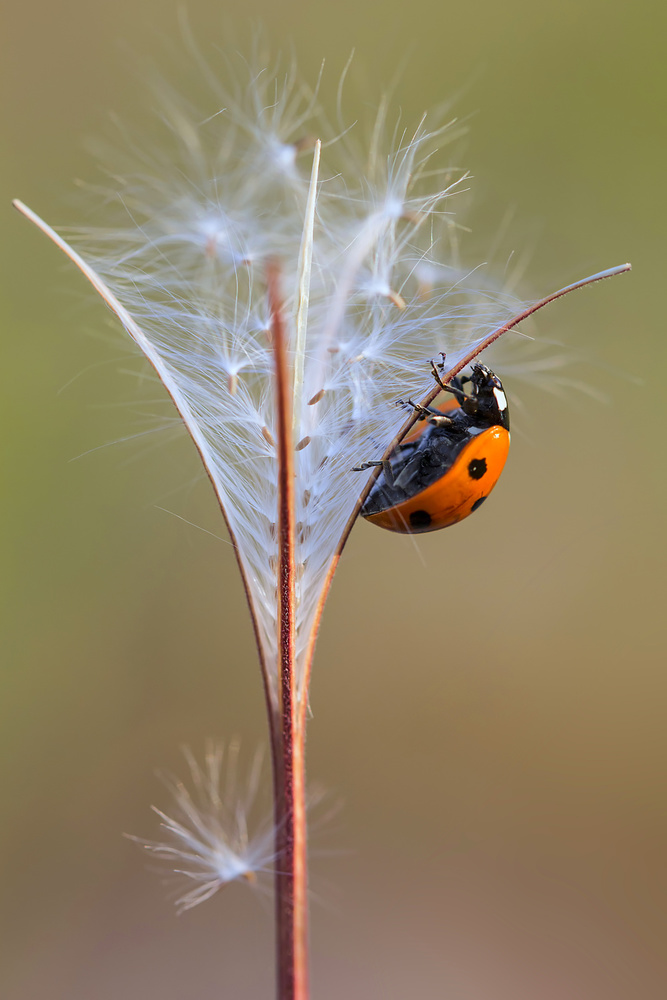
288	737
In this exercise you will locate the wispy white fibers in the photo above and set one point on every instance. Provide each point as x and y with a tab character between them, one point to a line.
303	289
190	228
205	830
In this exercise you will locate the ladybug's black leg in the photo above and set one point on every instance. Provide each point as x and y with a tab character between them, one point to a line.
436	375
468	403
429	413
455	386
384	465
421	411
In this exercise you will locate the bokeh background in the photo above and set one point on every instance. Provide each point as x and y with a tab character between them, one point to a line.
489	702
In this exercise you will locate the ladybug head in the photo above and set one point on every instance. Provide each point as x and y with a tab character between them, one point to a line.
483	378
488	398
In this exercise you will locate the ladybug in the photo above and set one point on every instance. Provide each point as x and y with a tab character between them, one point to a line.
446	470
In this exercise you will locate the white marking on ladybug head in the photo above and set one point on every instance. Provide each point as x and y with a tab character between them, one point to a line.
501	399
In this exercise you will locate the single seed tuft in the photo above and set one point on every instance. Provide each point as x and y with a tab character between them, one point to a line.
207	842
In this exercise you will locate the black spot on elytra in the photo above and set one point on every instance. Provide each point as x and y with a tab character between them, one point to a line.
420	519
477	468
477	503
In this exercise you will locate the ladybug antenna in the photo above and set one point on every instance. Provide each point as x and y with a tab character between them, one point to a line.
511	323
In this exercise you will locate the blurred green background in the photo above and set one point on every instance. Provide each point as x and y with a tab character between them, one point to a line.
489	702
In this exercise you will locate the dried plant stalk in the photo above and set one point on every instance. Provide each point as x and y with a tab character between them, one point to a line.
285	317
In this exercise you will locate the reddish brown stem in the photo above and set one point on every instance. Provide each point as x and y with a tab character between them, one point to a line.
288	739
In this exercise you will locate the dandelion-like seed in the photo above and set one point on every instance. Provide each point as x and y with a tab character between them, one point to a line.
206	836
288	291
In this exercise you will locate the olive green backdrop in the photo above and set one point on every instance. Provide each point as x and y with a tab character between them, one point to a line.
489	702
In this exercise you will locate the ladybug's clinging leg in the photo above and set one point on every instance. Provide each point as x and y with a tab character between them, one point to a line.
455	386
429	413
384	465
436	374
468	403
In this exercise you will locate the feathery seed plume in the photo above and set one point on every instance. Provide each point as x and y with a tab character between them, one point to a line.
184	267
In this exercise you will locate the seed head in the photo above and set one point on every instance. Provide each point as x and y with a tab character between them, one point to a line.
207	840
372	290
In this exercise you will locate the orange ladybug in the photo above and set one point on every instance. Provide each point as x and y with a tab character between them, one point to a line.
446	471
